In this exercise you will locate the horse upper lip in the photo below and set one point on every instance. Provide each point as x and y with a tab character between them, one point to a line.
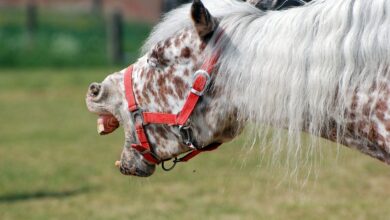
94	89
96	92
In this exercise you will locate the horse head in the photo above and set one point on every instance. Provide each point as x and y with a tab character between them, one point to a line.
161	82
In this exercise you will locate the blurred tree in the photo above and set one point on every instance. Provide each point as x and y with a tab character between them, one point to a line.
171	4
31	20
115	38
97	7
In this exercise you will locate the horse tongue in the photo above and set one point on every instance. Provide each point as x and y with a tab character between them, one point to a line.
106	124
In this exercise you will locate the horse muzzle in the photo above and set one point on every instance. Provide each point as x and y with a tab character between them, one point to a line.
133	164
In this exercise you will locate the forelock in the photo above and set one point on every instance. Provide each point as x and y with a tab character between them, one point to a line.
179	19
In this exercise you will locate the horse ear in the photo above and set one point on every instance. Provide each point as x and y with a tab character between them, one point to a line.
204	22
264	4
253	2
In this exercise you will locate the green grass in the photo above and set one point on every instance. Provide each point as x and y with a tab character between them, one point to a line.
53	165
62	39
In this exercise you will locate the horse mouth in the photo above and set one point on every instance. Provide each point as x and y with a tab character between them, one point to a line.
131	162
106	124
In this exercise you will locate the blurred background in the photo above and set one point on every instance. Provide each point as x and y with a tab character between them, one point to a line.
73	33
53	164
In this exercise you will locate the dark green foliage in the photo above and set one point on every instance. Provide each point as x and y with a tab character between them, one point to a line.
62	40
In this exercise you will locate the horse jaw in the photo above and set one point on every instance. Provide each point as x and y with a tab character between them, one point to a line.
131	162
109	103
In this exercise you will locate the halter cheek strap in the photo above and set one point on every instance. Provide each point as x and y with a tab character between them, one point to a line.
142	119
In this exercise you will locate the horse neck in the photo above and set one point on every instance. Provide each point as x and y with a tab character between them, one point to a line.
282	71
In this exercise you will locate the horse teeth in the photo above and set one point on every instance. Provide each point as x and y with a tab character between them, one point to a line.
100	128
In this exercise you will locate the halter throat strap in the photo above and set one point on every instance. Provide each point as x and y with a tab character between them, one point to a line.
201	80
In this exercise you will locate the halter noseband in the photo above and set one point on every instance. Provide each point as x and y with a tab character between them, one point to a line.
202	78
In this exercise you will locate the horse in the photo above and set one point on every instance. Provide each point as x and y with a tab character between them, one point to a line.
212	68
277	4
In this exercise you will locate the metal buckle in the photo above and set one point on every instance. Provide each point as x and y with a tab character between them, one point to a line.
186	135
208	79
138	112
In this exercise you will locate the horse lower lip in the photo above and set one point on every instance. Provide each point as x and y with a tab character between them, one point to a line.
106	124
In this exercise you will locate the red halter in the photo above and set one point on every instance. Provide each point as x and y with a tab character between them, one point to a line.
141	118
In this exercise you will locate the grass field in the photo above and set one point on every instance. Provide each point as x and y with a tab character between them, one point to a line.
53	165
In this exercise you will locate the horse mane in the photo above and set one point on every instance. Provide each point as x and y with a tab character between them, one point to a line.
295	68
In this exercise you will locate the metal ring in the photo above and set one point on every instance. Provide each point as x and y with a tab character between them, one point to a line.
186	135
170	168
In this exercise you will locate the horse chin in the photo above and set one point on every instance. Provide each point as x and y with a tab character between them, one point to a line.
132	163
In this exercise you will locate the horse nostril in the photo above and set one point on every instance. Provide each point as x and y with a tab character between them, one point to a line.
94	89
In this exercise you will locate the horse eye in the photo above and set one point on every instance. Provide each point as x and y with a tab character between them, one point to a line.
157	57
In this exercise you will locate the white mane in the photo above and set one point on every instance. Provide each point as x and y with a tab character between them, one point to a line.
294	68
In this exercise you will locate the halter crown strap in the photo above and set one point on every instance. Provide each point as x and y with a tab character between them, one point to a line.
128	80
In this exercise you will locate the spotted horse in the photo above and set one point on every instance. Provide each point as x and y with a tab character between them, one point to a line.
322	68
